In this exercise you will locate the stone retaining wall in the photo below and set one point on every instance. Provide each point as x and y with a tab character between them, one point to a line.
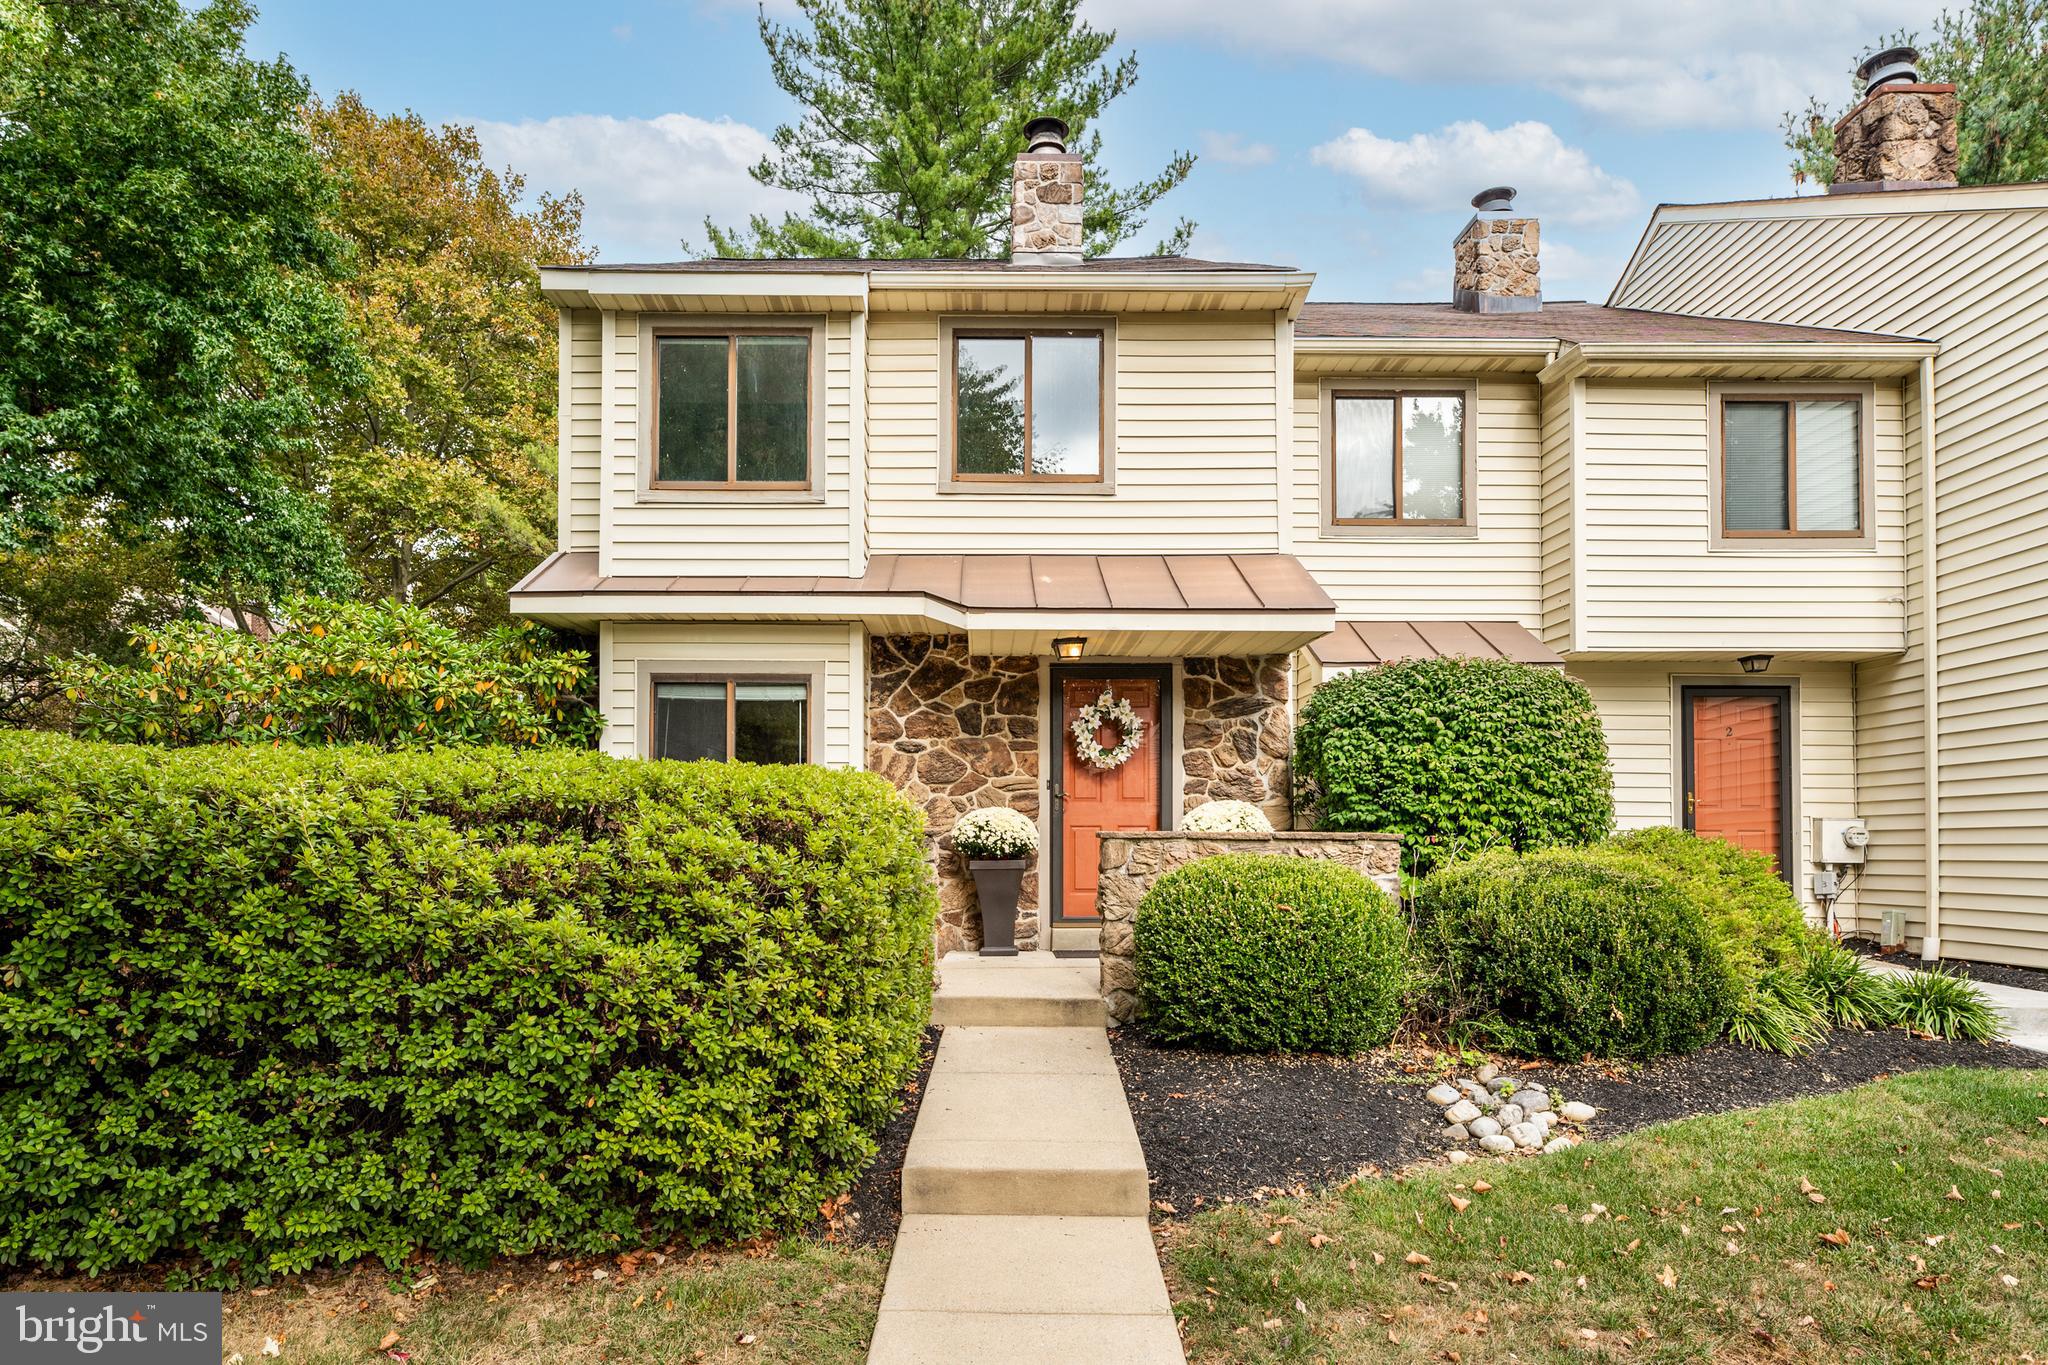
1132	861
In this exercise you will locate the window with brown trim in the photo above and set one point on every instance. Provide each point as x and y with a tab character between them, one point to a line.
1397	458
1792	465
732	410
748	719
1028	405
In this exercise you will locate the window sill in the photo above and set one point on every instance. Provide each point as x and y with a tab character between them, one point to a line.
1801	545
1028	489
711	497
1398	533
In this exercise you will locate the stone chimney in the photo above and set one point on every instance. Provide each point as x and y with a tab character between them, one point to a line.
1494	264
1045	198
1903	134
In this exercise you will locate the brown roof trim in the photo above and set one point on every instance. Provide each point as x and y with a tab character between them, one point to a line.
851	265
1565	322
1205	583
1364	644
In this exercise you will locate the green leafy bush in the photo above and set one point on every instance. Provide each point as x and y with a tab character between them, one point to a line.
337	673
1254	953
1848	993
1945	1005
1456	755
1576	952
276	1007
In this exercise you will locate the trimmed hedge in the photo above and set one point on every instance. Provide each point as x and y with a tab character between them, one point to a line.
1257	953
1754	914
271	1008
1574	952
1456	755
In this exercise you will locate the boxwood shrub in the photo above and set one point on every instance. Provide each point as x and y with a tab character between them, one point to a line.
1256	953
1575	952
273	1007
1456	755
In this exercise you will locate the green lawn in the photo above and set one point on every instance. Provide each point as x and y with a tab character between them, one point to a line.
1820	1229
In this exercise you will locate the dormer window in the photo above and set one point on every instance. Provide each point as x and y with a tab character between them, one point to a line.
732	410
1028	406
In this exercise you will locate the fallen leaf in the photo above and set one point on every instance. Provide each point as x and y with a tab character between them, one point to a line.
1319	1241
1520	1277
1416	1258
1668	1278
744	1339
1274	1240
1480	1187
428	1282
271	1347
1300	1307
390	1340
1837	1238
1588	1334
1936	1240
1813	1195
1271	1324
1731	1248
1954	1193
1459	1204
2009	1281
1378	1259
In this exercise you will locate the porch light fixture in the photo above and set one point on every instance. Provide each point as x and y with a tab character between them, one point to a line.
1754	663
1070	646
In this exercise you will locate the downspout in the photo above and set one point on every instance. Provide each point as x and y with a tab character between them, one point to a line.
1930	942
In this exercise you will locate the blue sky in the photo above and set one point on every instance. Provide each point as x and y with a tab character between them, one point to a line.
1343	136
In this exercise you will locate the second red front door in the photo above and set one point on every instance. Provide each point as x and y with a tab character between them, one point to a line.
1737	769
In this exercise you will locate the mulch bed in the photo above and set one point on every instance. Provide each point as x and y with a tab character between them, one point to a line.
1220	1128
1997	973
874	1206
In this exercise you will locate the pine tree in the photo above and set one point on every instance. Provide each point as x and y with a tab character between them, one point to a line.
914	114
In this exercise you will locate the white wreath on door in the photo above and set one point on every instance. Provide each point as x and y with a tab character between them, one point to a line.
1107	710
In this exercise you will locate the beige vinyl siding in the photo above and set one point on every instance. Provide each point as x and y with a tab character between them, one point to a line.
1495	574
1651	581
1194	459
1965	268
832	647
1560	414
1638	706
582	418
798	535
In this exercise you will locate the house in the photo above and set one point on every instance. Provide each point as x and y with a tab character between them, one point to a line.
1957	806
917	515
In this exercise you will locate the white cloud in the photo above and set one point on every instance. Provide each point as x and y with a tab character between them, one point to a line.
1681	63
646	183
1232	150
1444	169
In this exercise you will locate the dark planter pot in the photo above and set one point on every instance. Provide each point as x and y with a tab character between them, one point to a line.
997	883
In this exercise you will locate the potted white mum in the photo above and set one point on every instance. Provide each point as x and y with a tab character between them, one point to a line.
996	842
1226	817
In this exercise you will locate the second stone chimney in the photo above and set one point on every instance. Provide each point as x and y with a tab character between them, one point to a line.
1902	135
1045	198
1495	267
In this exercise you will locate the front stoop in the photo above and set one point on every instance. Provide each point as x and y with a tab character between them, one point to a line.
1024	1235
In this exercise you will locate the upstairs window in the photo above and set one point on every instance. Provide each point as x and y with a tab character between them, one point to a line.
1792	466
753	720
1397	459
733	411
1028	406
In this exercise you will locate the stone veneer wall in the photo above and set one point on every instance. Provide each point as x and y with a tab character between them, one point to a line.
1132	862
954	731
1903	134
1499	257
1235	734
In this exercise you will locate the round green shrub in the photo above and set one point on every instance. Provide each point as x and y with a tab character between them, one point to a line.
1576	952
1456	755
268	1008
1254	953
1753	913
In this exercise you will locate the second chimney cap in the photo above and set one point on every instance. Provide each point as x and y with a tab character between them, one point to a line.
1499	197
1894	65
1045	134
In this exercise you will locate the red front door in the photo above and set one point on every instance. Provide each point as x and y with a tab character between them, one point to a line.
1125	797
1738	769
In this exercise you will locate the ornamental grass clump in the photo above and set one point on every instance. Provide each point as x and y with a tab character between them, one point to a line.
1575	952
1226	817
265	1009
1255	953
995	832
1455	755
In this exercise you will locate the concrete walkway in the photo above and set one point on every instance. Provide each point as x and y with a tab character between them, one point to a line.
2025	1012
1024	1234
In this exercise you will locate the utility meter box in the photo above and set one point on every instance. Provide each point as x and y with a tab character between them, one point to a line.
1838	842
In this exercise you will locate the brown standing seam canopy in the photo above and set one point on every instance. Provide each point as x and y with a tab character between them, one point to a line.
1198	583
1355	644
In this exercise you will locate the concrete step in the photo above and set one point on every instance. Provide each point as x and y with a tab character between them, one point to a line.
1024	1291
1005	1140
1030	990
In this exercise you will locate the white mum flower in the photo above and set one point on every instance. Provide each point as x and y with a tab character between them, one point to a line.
995	832
1227	817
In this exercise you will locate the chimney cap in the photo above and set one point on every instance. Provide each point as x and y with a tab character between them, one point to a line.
1894	65
1499	198
1045	134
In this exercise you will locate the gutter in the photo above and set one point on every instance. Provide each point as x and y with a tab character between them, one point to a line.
1930	942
